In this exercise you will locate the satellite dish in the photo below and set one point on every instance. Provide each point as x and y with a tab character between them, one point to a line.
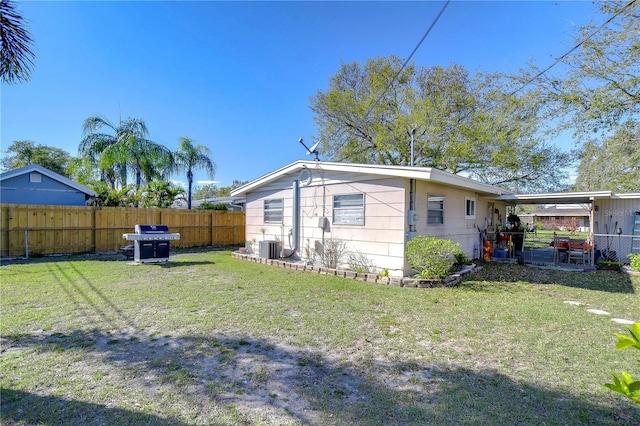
312	150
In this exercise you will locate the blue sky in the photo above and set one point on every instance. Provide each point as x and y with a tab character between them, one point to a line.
237	76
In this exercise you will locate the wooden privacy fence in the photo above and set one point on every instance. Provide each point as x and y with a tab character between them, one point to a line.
31	230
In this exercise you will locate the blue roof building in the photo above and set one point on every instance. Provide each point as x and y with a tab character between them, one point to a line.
34	184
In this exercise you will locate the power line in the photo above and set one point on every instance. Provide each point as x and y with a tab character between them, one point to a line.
433	24
532	79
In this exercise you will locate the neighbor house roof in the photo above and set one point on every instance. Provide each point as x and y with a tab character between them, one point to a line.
418	173
554	211
51	174
236	201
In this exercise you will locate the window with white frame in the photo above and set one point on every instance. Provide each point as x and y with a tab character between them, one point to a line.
273	210
469	208
435	209
35	177
348	209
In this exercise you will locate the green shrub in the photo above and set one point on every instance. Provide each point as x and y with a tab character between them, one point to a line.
625	384
635	261
433	257
608	265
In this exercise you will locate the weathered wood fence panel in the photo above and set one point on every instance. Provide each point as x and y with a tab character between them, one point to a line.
31	230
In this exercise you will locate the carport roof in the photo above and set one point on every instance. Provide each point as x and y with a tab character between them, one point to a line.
564	197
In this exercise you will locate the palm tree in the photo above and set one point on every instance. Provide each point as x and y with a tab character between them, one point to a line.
161	194
127	150
189	157
16	57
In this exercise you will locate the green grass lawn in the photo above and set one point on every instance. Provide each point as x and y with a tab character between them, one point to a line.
209	339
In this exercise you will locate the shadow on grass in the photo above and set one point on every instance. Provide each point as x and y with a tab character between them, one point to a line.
105	256
492	273
245	376
20	407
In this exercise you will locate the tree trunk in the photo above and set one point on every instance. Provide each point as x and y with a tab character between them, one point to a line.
190	180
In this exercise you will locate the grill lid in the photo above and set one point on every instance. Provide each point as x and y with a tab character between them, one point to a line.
151	229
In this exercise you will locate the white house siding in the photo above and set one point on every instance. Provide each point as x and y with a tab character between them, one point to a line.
615	213
382	236
456	227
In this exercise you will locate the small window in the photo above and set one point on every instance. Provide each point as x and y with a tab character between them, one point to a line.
469	208
273	210
35	177
435	209
348	209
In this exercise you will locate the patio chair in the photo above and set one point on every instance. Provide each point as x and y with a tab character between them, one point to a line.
579	251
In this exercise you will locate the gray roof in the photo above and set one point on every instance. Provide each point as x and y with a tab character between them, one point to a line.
221	200
418	173
554	211
51	174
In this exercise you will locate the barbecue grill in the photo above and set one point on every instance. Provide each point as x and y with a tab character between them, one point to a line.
151	243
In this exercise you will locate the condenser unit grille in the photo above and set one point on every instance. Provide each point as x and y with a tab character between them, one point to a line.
268	249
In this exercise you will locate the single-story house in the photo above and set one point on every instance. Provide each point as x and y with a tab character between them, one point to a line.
34	184
375	209
560	216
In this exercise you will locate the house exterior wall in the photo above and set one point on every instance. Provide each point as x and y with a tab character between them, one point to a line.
20	190
380	239
457	227
383	235
611	214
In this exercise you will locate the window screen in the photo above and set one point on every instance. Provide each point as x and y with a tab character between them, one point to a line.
273	210
348	209
435	209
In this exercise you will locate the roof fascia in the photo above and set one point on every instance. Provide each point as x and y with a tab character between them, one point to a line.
422	173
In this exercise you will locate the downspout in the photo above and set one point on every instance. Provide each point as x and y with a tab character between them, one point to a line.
295	221
411	214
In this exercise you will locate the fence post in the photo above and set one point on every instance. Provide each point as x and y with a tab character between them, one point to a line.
26	243
95	230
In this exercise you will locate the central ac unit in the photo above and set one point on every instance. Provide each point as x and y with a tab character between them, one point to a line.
268	249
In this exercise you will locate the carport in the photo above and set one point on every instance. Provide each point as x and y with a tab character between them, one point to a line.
614	226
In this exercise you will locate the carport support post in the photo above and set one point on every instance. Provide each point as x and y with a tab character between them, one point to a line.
591	231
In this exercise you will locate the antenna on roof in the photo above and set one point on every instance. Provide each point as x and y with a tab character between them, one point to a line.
313	150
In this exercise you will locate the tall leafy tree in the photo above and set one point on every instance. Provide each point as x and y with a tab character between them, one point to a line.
462	123
596	89
225	191
125	151
205	191
189	157
16	57
595	93
23	153
613	164
82	170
